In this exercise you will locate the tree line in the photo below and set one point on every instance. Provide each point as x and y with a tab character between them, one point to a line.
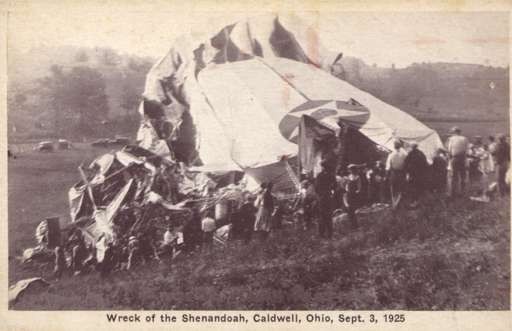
85	93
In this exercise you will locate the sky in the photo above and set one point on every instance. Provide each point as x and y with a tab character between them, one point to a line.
383	39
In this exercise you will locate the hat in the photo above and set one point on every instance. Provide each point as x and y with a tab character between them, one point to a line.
413	144
352	166
132	238
455	129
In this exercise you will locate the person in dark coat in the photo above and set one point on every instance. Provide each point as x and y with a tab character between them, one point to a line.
109	260
502	162
416	167
236	226
379	171
148	250
247	215
309	201
278	215
325	184
351	201
375	176
192	233
439	172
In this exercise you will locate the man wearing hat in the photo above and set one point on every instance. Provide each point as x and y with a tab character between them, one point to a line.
325	185
457	146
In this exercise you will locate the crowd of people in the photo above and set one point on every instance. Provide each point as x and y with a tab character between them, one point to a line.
478	162
399	181
406	175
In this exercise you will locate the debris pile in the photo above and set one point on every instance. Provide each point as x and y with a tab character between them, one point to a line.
134	197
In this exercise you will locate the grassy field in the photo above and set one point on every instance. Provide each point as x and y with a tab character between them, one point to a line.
443	256
38	187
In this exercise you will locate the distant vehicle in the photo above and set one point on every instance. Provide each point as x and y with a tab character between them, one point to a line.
102	142
45	146
63	144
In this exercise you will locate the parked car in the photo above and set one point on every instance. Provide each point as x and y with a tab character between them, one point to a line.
63	144
45	146
102	142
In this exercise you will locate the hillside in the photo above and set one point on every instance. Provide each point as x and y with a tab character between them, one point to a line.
30	113
434	90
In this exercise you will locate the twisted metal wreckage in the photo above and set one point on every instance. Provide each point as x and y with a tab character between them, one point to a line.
254	103
126	191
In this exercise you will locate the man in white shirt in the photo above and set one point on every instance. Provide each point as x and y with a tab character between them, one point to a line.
208	226
395	169
169	236
170	240
492	152
457	146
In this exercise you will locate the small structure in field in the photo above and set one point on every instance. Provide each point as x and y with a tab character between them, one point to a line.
45	146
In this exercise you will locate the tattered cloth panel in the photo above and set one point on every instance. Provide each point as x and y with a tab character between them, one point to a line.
314	137
280	174
102	218
327	112
48	232
377	120
145	155
148	138
238	103
309	131
80	204
110	179
104	193
217	82
221	235
263	36
16	290
172	83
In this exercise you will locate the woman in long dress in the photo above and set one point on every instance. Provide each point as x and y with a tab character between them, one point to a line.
265	204
484	164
